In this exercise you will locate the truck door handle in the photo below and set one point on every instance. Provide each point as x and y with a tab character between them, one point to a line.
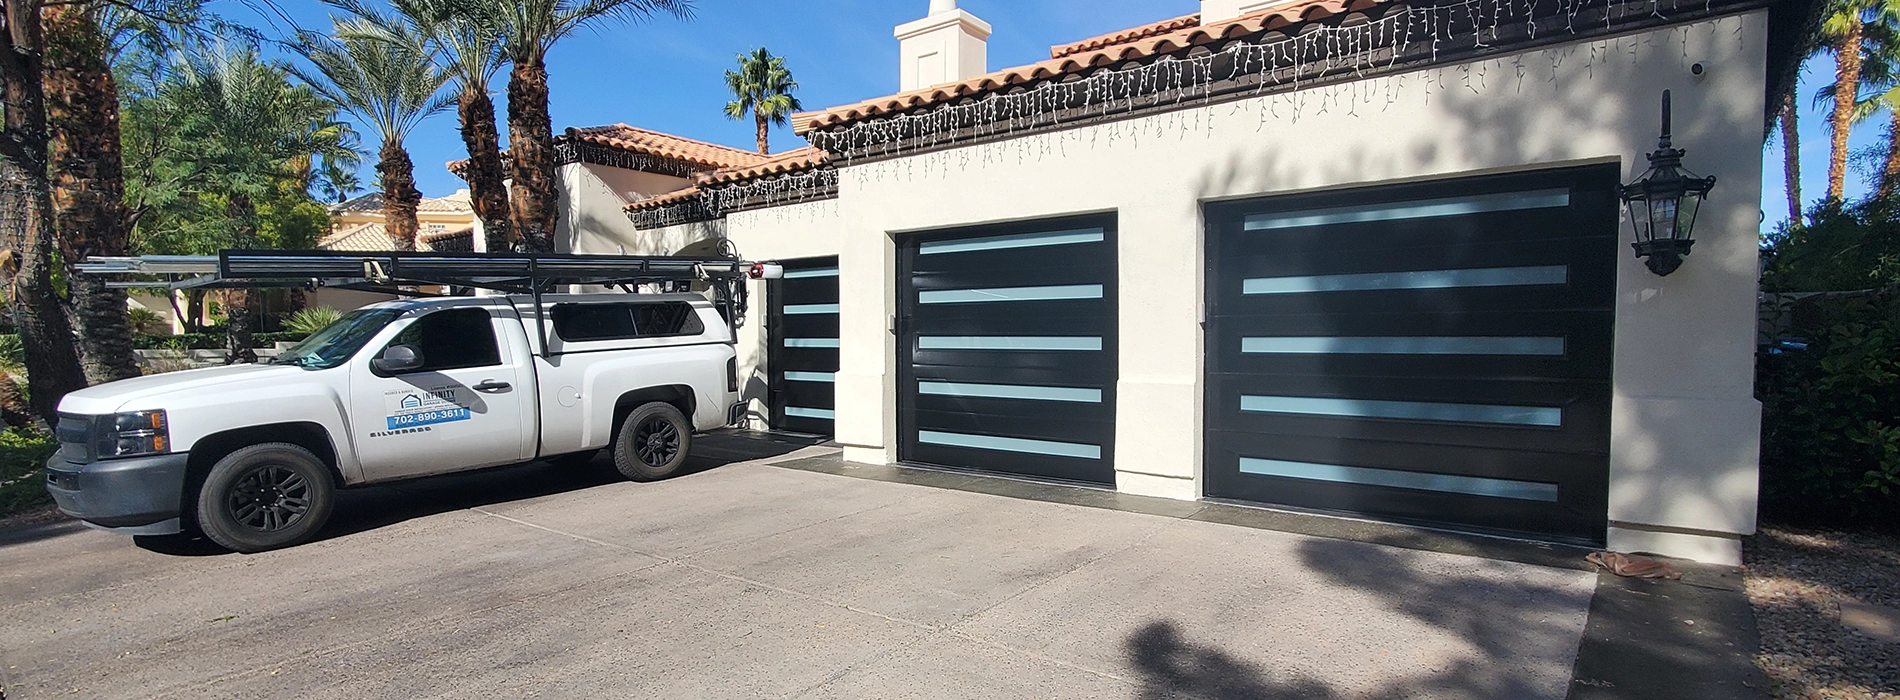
491	386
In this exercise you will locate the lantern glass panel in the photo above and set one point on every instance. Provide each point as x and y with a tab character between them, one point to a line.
1685	215
1639	219
1662	216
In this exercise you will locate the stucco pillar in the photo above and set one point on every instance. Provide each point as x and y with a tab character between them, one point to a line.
1158	394
1685	425
866	413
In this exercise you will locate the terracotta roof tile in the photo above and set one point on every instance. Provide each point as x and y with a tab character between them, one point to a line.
364	238
792	161
674	197
1126	35
1055	68
629	138
373	238
372	203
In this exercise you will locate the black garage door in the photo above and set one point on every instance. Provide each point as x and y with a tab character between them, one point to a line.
1436	353
1007	349
803	332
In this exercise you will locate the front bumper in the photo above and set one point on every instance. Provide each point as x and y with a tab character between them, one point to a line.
139	495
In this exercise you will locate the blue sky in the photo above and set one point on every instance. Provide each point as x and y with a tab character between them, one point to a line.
666	74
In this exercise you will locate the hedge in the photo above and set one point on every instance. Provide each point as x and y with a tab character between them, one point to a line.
208	341
1831	413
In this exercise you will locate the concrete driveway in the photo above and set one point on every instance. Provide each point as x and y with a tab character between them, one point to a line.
746	580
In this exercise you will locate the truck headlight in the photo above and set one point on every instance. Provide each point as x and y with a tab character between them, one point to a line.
133	434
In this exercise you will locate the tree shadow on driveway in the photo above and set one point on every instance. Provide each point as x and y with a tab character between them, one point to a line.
1511	631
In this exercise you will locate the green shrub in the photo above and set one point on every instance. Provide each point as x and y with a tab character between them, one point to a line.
147	321
265	340
23	455
1831	413
182	341
208	341
312	319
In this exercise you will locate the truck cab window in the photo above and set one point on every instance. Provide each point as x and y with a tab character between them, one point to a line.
452	339
586	322
338	341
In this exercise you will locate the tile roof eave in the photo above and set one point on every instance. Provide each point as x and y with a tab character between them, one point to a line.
1126	35
1259	22
675	197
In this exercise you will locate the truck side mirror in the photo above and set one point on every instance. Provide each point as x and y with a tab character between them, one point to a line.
396	359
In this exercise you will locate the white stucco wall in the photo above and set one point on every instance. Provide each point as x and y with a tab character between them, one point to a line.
1685	436
591	219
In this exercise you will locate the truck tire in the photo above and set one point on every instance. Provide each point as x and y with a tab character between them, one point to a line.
265	497
653	442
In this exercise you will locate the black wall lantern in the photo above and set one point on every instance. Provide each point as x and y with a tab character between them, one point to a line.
1663	204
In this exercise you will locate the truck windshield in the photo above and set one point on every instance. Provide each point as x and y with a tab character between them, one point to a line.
338	341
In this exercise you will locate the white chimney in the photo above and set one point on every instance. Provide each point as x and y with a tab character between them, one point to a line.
948	46
1219	10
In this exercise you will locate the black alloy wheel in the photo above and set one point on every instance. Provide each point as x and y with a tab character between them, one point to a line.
653	442
270	498
657	441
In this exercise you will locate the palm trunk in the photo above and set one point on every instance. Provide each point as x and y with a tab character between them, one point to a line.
765	133
52	364
1890	175
240	304
487	188
531	156
1846	89
1791	154
88	179
400	197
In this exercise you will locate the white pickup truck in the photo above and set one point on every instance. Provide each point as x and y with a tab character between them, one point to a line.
253	455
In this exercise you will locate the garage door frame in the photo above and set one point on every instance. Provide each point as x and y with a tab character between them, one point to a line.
783	393
1049	420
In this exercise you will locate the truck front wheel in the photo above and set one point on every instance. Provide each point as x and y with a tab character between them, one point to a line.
653	442
265	497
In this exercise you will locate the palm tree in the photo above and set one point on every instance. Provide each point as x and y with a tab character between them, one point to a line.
391	85
764	87
1844	30
337	180
88	181
529	29
235	125
1878	72
1791	154
470	50
52	364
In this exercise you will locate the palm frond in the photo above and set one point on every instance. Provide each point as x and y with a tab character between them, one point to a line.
392	83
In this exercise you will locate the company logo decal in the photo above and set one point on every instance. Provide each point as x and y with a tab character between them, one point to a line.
416	408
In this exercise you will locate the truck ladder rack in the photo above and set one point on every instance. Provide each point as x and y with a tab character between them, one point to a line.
401	273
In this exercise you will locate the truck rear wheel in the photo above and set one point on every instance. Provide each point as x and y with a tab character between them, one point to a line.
653	442
265	497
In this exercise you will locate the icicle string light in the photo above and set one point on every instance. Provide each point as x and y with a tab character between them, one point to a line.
1312	53
716	202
